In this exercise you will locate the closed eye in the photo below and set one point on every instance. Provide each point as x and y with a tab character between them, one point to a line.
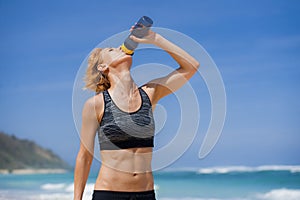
110	49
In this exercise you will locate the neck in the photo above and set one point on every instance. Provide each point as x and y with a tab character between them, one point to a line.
123	83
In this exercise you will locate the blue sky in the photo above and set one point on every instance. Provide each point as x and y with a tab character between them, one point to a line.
255	44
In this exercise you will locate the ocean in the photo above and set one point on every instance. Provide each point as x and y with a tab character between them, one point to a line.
217	183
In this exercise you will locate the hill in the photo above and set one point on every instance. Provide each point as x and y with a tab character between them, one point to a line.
25	154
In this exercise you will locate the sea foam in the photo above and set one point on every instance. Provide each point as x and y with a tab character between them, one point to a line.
64	191
241	169
280	194
51	186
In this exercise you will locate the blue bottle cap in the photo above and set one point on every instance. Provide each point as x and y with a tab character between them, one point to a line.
146	21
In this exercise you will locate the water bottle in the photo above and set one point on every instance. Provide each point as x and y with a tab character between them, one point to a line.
139	30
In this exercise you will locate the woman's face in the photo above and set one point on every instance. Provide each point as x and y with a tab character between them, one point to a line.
114	56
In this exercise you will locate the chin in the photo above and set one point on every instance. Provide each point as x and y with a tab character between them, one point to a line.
124	59
128	56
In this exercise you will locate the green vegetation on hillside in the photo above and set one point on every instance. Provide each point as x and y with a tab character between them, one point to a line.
21	154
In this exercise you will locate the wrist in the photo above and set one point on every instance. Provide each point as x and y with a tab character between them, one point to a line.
158	39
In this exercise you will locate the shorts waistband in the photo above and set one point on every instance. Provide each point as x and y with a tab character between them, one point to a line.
107	194
125	192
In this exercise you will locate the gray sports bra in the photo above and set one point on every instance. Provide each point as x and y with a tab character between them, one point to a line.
123	130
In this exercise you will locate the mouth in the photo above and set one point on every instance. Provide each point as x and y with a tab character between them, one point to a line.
125	50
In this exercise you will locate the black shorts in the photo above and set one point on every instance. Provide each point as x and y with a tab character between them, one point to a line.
115	195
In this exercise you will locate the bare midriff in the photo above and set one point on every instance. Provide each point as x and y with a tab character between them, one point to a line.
125	170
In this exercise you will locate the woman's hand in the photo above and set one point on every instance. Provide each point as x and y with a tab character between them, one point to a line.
151	38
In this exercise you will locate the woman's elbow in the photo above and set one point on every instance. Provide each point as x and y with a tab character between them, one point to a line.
84	156
196	65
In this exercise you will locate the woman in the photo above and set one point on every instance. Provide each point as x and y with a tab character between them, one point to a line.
121	112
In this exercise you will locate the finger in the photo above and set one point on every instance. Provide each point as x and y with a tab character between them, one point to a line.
132	27
150	32
135	39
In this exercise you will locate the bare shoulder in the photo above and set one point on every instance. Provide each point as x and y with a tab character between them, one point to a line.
94	106
94	101
149	88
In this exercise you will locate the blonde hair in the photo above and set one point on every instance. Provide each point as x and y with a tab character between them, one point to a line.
94	79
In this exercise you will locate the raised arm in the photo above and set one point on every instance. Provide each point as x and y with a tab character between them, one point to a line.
188	66
85	155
